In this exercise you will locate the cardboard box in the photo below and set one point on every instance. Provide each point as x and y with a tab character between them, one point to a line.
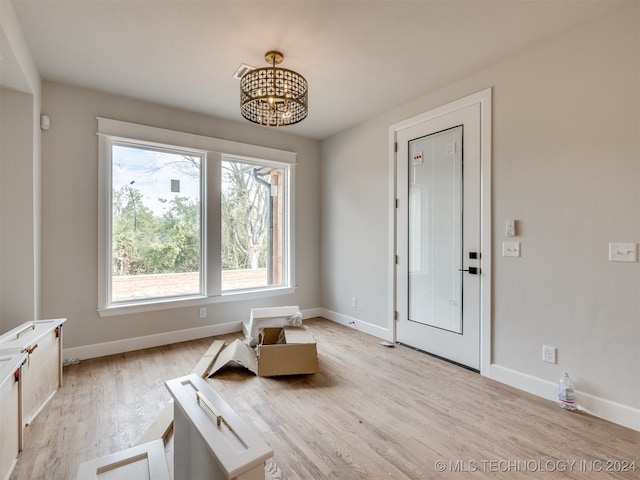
280	351
298	353
269	317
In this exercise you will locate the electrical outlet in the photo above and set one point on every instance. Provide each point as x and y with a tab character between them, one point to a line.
548	354
203	312
354	302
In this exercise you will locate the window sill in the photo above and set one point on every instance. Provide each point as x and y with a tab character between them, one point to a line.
173	303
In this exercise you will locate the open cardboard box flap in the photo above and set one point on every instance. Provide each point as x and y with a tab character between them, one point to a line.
297	355
269	317
238	352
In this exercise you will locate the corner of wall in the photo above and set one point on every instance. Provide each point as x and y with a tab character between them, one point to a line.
26	149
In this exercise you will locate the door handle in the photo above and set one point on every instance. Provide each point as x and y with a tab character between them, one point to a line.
471	270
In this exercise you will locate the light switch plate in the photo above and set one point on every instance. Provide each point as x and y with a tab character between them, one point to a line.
510	249
623	252
510	228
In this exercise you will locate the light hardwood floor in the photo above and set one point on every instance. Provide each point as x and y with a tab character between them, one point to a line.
372	412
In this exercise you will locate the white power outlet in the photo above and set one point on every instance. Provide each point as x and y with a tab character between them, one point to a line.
203	312
548	354
354	302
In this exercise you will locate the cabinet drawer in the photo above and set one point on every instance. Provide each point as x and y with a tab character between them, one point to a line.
146	461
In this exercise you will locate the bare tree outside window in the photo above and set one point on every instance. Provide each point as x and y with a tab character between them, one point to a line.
251	225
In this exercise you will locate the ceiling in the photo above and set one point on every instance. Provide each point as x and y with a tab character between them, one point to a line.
359	57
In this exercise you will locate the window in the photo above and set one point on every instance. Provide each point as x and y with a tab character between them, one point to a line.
252	224
190	219
155	222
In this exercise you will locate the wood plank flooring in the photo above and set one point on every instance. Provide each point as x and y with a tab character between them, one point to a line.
372	412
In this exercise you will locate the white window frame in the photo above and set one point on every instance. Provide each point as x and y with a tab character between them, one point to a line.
113	131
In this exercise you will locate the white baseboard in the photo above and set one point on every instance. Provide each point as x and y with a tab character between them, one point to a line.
311	313
596	406
357	324
148	341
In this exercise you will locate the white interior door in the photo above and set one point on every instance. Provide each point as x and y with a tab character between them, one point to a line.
438	236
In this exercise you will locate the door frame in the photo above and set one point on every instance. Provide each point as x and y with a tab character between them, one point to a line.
483	98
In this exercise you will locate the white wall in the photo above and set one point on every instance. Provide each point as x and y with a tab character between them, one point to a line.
566	158
70	204
355	223
17	298
19	177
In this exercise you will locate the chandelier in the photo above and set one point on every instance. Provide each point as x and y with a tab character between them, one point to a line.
273	96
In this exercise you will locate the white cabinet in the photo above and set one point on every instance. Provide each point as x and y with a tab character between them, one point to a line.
41	340
210	439
146	461
10	431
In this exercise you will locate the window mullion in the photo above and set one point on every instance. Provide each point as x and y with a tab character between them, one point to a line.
104	222
213	225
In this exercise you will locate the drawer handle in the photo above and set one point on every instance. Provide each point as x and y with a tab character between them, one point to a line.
25	330
30	350
214	410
